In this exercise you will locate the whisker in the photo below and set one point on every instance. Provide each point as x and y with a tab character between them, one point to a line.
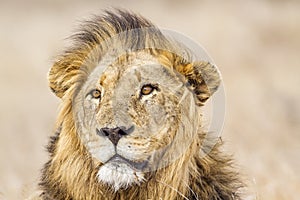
173	189
194	194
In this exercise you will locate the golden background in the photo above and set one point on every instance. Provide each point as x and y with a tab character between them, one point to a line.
256	45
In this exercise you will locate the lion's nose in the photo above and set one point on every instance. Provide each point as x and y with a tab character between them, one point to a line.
114	134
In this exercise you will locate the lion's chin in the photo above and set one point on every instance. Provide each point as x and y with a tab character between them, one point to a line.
119	175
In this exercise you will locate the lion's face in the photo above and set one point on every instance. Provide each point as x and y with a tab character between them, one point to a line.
133	116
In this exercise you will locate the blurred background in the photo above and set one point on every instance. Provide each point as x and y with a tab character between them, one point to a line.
256	45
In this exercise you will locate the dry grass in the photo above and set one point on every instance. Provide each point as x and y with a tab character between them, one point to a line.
255	43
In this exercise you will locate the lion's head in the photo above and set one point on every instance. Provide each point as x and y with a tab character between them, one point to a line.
136	109
132	100
136	115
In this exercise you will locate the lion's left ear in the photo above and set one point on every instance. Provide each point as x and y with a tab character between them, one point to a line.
202	77
64	72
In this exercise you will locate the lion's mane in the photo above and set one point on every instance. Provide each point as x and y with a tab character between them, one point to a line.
71	172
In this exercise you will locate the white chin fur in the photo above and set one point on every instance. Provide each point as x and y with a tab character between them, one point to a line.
119	175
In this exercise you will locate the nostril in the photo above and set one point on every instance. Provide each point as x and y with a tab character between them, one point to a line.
124	131
102	132
106	132
121	132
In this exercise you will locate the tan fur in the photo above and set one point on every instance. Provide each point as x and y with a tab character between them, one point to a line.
71	172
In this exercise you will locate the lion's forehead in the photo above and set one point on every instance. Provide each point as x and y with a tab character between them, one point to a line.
128	66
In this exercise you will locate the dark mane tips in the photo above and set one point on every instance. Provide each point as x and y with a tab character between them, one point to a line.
111	23
123	20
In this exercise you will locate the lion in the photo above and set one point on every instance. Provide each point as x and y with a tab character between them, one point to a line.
130	123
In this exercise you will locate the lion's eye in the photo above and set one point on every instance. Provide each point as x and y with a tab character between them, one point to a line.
95	94
147	89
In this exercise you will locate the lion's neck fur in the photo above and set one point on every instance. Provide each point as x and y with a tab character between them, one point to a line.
71	173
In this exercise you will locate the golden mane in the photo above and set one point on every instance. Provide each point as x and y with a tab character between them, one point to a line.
71	172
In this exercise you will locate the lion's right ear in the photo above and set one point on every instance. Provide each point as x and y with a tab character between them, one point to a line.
63	73
203	79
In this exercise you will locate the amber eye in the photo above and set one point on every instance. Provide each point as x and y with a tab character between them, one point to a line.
96	94
147	89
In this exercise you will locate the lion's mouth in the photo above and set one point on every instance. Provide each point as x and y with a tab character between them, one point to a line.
117	159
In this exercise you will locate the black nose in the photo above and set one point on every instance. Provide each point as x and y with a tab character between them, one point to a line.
114	134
